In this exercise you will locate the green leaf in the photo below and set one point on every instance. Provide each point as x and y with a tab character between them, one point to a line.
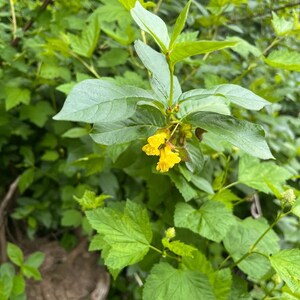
145	122
35	259
71	217
296	207
281	26
179	247
15	254
38	114
18	285
243	48
92	163
234	93
89	200
202	184
86	44
75	132
195	161
256	174
128	233
184	50
180	22
284	59
15	96
185	189
157	64
167	283
242	134
31	272
212	220
152	24
287	264
113	58
221	282
94	100
50	155
7	273
240	239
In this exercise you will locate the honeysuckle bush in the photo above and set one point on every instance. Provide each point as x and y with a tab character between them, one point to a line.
182	129
210	213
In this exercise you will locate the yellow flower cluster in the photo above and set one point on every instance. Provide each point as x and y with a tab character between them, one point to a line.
167	156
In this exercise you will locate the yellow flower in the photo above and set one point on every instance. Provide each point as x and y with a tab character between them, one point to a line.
167	159
154	142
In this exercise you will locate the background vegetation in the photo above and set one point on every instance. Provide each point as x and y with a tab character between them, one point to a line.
47	47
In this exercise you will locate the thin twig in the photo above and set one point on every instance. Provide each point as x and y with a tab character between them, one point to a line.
9	195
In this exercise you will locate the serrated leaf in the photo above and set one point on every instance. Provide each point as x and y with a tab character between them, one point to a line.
157	64
15	254
180	22
71	217
31	272
234	93
89	200
15	95
152	24
128	234
86	43
240	239
296	207
221	282
168	283
284	59
256	174
195	161
145	122
281	26
184	50
94	100
247	136
212	220
179	247
287	264
244	48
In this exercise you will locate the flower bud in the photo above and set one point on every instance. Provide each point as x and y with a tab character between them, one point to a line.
170	233
289	196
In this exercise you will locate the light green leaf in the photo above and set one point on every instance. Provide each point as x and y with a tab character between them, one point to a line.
221	282
157	64
243	47
15	254
145	122
71	217
75	132
281	26
96	100
50	155
89	200
167	283
128	234
287	264
233	93
212	220
86	43
184	50
113	57
202	184
180	22
296	207
284	59
256	174
6	285
15	96
35	259
179	247
31	272
152	24
240	239
242	134
185	189
18	285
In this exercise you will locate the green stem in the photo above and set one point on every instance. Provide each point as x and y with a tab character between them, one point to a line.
171	68
90	68
229	186
224	262
14	20
251	250
155	249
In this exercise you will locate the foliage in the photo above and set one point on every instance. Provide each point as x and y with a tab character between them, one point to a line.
209	89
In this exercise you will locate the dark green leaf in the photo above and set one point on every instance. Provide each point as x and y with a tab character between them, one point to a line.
212	220
71	217
168	283
242	134
96	100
